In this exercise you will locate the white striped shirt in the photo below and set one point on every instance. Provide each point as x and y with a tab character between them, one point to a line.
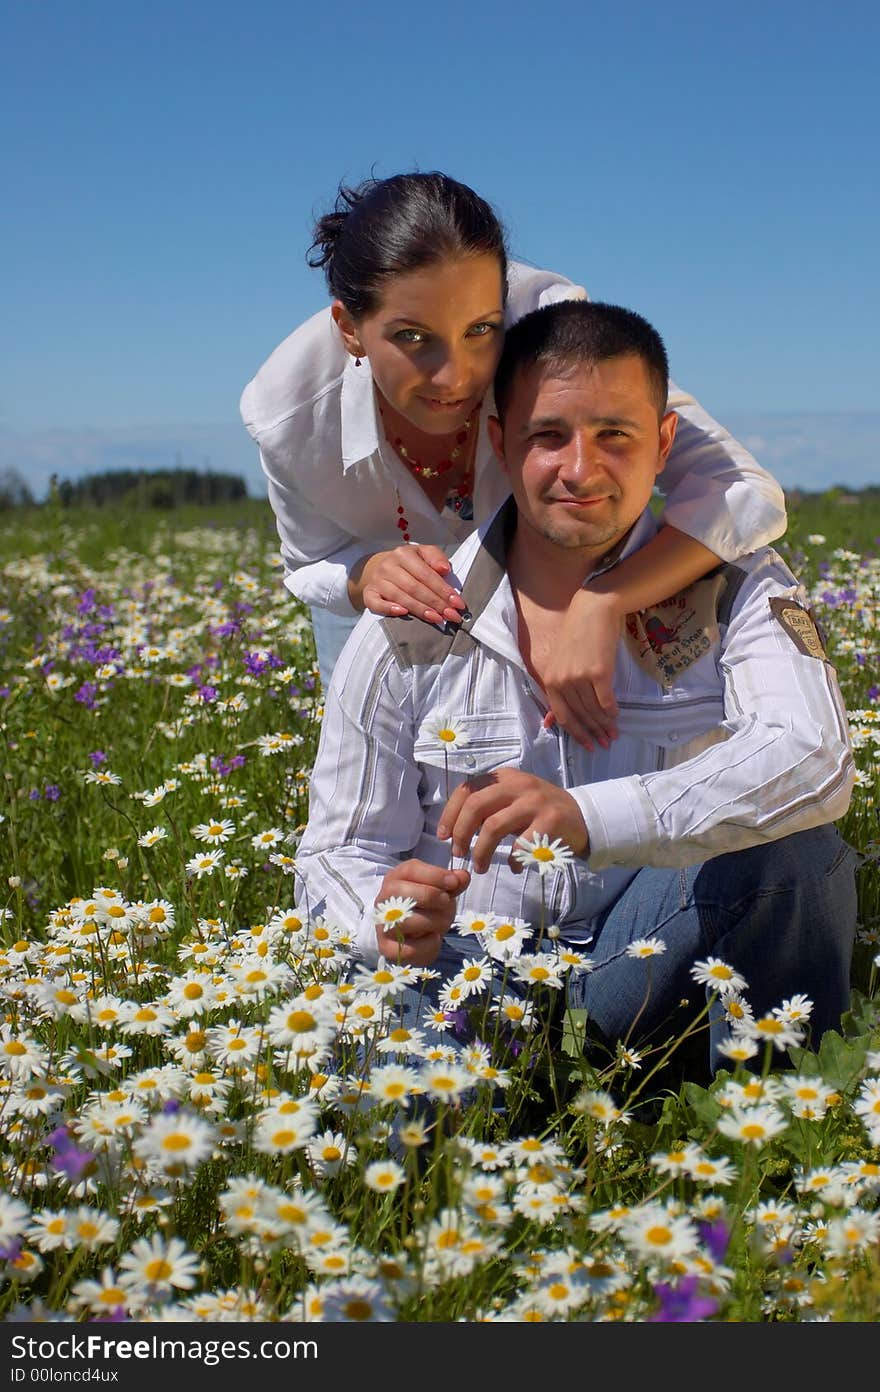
730	733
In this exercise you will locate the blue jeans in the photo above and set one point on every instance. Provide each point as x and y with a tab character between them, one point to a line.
782	914
331	632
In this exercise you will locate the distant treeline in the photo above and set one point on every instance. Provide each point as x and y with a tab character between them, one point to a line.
142	488
175	487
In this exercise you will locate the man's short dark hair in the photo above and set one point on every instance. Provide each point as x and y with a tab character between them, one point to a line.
573	333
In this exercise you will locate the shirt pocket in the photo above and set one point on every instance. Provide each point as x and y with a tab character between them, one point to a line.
488	742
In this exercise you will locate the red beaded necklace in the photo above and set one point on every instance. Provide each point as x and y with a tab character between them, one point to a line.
429	471
458	497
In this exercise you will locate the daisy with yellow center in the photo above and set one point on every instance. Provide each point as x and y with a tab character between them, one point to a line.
542	854
446	1082
214	833
394	1083
383	1176
447	731
718	976
355	1300
754	1126
391	913
201	865
655	1232
158	1264
646	947
782	1034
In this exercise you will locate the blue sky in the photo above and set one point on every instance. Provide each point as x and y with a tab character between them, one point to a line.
713	167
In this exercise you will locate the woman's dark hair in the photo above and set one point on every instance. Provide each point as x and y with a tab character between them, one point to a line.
386	227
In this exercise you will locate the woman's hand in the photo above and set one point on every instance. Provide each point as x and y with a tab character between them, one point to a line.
579	676
407	580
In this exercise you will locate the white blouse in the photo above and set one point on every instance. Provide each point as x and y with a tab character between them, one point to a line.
334	481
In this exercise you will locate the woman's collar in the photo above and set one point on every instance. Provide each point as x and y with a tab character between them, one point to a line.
360	419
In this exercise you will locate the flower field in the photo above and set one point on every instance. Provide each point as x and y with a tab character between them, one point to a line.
207	1111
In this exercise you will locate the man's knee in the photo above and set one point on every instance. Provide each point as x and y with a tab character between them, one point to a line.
816	868
785	915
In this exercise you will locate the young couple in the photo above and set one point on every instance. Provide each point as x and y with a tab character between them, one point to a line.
692	752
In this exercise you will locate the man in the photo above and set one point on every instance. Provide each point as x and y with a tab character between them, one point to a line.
704	829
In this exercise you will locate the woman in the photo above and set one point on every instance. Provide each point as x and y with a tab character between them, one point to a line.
371	423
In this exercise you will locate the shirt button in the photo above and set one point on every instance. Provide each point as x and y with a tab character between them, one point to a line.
470	761
672	736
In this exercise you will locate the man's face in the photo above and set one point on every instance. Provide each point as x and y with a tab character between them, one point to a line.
582	447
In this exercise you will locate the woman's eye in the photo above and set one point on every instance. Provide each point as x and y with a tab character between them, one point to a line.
410	336
482	330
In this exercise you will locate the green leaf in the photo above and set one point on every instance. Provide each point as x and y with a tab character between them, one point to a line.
838	1062
574	1032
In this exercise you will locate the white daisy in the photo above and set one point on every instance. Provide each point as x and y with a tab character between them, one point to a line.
394	1082
330	1152
653	1232
149	838
204	864
470	922
718	976
446	1081
753	1125
355	1300
444	730
646	947
265	840
396	909
214	833
738	1049
505	938
175	1140
383	1176
157	1264
541	853
781	1033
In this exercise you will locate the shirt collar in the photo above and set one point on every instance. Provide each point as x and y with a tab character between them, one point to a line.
644	527
360	426
489	560
486	588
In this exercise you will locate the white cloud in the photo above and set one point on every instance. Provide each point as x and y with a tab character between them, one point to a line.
813	451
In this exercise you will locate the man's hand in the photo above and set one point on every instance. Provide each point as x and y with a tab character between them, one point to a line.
509	802
418	939
578	678
407	580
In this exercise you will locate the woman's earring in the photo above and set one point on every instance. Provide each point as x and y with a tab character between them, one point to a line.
357	362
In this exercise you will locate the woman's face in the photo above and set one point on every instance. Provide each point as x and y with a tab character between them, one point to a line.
434	342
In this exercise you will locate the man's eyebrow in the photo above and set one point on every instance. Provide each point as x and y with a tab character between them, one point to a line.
617	421
560	423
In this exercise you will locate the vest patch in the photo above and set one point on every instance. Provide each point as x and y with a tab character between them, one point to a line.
671	636
800	626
